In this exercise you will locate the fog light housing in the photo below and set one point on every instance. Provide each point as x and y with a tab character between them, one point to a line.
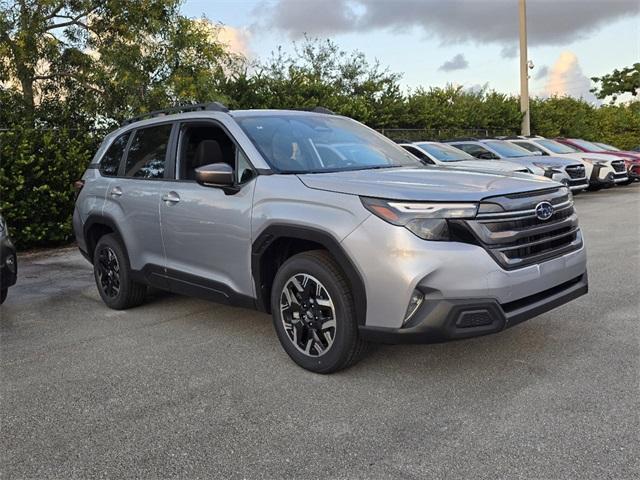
416	300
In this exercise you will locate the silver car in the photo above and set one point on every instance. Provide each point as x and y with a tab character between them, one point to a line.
435	153
571	173
256	209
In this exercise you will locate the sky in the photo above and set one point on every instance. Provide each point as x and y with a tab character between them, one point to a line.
473	43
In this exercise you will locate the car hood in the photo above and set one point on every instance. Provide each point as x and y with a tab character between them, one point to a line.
425	184
541	160
490	165
595	156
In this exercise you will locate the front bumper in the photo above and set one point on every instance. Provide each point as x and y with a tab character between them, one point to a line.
8	263
453	319
393	262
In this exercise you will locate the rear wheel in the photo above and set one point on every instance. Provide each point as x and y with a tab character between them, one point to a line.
113	275
3	295
314	315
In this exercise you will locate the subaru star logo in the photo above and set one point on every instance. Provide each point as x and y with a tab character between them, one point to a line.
544	210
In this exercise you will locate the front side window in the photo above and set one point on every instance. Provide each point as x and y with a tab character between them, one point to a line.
312	143
506	149
445	153
110	162
147	154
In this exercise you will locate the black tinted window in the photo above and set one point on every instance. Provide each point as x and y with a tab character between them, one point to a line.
146	156
111	160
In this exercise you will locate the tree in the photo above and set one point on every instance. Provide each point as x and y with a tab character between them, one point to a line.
618	82
115	57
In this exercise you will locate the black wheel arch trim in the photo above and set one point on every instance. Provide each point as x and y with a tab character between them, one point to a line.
278	231
95	219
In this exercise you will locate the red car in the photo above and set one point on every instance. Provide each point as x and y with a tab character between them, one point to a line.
631	159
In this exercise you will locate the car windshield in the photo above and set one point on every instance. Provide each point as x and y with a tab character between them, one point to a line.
445	153
556	147
592	147
506	149
609	148
312	143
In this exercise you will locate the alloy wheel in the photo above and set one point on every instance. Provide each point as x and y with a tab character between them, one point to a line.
108	270
308	314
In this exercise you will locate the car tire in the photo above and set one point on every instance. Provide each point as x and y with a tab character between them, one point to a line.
113	275
3	295
324	337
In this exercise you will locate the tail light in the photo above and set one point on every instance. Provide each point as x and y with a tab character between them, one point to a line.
77	186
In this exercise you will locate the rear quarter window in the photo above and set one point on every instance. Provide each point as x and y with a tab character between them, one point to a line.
110	162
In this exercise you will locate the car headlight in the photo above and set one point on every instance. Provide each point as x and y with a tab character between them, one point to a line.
593	161
428	220
546	166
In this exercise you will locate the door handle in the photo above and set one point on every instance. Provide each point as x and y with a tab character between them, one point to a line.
171	198
116	192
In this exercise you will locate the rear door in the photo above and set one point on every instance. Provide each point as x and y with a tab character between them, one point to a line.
133	198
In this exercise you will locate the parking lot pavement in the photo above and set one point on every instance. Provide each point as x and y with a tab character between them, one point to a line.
185	388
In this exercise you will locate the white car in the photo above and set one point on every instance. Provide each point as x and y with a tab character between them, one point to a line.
602	169
435	153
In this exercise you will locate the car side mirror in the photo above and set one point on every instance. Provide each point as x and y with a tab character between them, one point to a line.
215	175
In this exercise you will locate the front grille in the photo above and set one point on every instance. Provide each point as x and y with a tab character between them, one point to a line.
618	165
576	171
517	237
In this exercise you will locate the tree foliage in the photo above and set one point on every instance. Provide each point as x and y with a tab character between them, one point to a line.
618	82
70	70
108	56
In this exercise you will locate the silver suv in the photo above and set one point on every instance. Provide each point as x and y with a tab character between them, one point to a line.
338	232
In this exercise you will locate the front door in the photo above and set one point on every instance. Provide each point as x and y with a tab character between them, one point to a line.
206	230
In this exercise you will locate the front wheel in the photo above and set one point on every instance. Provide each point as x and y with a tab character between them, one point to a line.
314	315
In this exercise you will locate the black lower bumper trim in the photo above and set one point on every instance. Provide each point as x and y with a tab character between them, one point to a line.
454	319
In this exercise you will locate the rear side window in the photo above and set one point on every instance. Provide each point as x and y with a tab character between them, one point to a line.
147	154
110	162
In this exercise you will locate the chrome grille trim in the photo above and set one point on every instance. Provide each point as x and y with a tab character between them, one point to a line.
522	213
517	238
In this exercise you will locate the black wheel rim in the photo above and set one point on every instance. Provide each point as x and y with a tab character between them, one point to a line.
308	315
108	270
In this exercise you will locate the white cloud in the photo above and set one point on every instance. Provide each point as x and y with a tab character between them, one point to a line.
236	39
565	78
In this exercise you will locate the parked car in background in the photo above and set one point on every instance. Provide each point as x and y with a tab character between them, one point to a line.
568	172
600	169
242	207
435	153
8	261
631	159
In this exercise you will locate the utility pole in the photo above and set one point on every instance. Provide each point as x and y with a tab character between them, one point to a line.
524	74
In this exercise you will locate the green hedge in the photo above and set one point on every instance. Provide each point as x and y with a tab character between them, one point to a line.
37	171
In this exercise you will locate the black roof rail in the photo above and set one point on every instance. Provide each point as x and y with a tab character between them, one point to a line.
212	106
461	139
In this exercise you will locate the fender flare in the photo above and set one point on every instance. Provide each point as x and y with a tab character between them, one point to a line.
96	219
277	231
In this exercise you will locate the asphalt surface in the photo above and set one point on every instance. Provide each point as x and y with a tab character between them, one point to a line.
190	389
